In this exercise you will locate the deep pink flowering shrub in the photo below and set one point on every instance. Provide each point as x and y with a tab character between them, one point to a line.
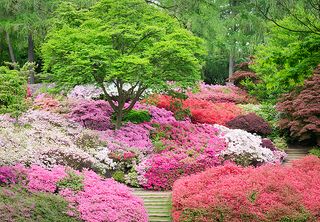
100	199
183	149
221	94
251	123
267	193
92	114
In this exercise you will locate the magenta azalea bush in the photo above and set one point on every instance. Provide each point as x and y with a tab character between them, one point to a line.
99	199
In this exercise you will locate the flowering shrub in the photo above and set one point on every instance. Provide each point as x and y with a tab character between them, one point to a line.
97	199
203	111
221	94
267	193
92	114
85	92
246	149
45	102
250	123
45	139
300	110
183	148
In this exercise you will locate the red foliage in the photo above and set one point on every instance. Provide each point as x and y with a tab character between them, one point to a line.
268	193
301	110
250	123
238	76
202	111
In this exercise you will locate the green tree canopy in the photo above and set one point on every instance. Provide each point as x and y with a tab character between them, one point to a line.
125	42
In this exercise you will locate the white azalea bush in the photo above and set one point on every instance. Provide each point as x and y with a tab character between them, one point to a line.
246	149
46	139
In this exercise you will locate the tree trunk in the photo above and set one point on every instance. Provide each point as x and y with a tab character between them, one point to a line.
231	64
31	57
11	53
119	116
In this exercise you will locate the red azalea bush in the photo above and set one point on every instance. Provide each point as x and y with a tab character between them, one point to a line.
233	193
202	111
90	197
92	114
251	123
301	110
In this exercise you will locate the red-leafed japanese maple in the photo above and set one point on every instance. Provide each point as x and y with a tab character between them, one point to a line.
243	72
300	110
250	123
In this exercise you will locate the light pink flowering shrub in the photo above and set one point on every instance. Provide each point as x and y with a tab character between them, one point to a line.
45	102
221	94
267	193
100	199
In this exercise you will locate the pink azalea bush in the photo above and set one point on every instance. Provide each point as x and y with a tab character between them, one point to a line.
220	94
182	148
233	193
100	199
92	114
45	102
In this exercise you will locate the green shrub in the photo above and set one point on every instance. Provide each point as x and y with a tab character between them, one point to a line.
13	91
73	181
135	116
118	176
315	151
17	204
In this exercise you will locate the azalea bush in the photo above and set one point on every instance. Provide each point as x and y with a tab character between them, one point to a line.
182	148
202	111
92	114
247	149
221	94
45	102
46	139
233	193
89	197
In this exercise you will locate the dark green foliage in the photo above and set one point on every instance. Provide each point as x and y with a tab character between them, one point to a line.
72	181
13	90
17	204
137	116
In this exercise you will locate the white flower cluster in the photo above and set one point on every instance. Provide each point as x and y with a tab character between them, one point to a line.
43	138
102	154
243	144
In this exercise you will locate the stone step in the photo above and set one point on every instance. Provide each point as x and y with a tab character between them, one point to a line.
159	219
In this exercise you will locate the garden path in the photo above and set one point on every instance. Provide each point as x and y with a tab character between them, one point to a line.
157	203
295	152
